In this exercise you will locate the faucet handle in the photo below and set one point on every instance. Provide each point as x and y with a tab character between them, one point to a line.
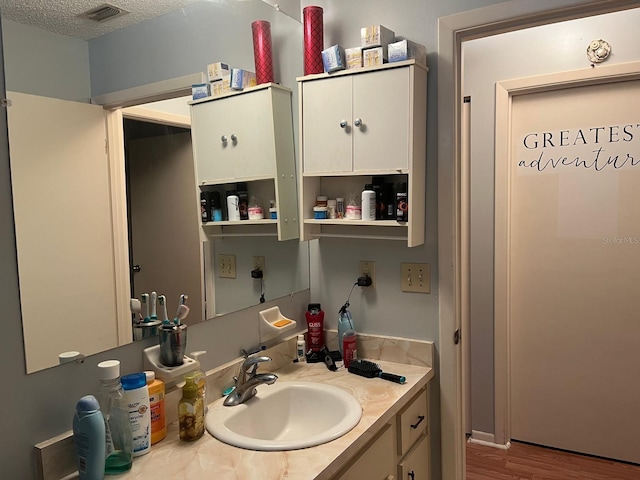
254	361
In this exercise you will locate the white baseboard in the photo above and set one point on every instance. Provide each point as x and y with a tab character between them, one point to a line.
486	439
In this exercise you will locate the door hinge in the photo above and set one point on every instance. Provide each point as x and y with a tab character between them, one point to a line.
456	337
6	102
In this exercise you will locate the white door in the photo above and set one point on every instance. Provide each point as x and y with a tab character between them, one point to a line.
561	411
165	221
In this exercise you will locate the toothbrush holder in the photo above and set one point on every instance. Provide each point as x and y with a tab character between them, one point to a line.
173	344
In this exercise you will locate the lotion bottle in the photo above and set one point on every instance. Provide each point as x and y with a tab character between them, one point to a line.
301	349
89	438
136	396
368	203
156	405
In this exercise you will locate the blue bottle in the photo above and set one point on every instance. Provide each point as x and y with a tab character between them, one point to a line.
345	323
89	438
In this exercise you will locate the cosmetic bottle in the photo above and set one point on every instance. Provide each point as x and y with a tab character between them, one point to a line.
349	347
89	438
119	442
136	396
368	203
233	209
402	203
191	410
315	327
216	207
156	405
345	323
205	207
301	349
243	200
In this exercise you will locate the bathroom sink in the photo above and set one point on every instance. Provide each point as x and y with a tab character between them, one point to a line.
285	416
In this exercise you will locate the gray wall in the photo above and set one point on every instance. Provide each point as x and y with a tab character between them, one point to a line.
44	63
39	406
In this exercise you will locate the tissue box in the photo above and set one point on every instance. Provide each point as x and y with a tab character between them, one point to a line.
353	57
217	70
372	57
241	79
333	59
375	36
200	90
406	49
220	86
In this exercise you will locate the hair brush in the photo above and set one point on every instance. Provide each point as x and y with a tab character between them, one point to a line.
368	369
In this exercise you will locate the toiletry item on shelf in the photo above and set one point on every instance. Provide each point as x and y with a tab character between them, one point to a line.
340	207
136	396
216	207
233	206
273	210
377	183
89	438
320	213
349	349
353	210
315	327
201	376
402	203
345	323
156	405
205	207
301	348
321	201
332	211
368	203
388	202
243	200
368	369
255	210
191	410
119	440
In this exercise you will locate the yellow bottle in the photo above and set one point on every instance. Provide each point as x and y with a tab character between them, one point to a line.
156	404
191	410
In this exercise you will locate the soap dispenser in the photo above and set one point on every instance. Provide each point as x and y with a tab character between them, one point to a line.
191	410
201	377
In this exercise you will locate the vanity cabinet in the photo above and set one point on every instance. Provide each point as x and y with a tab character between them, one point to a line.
247	136
355	125
401	451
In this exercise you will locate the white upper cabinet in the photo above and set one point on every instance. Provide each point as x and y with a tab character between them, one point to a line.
356	125
247	136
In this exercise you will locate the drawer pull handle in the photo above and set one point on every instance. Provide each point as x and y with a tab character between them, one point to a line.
412	475
420	419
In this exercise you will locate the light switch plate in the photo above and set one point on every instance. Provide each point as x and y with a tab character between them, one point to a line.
416	277
227	266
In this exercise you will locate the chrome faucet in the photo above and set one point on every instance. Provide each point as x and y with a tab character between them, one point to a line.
247	381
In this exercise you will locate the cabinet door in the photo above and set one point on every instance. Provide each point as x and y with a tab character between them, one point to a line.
378	462
233	138
415	466
326	145
381	102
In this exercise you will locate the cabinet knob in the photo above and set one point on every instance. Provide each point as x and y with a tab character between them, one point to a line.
234	139
357	122
343	124
223	139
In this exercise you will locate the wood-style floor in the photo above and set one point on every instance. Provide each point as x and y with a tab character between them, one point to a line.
530	462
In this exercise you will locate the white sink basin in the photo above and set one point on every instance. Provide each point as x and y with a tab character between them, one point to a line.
285	416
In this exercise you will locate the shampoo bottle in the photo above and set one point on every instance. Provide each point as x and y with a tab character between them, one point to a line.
315	327
156	405
136	396
89	438
119	442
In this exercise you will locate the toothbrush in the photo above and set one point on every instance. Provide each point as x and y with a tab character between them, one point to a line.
181	314
152	303
145	304
162	300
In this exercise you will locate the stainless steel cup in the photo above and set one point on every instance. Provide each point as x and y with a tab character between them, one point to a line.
173	344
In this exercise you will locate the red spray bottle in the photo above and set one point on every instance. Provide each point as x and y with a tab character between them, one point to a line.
315	327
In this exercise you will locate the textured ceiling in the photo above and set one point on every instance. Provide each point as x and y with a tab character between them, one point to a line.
60	16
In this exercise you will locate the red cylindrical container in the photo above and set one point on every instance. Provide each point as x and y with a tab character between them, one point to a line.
262	56
315	327
349	347
313	39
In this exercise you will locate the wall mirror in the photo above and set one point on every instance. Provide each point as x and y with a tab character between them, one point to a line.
70	284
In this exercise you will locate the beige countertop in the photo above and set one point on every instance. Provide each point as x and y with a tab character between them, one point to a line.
210	458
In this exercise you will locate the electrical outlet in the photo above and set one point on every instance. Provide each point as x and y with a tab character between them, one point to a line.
258	263
416	277
368	267
227	266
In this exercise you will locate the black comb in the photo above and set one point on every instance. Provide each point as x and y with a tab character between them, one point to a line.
368	369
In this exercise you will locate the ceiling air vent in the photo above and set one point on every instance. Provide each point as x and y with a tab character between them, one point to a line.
103	12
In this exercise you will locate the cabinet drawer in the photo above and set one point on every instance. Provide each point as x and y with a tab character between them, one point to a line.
378	462
416	465
412	422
